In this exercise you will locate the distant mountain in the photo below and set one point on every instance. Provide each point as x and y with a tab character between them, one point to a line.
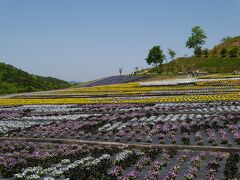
74	82
14	80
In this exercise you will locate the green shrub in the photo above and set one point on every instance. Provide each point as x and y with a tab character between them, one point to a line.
233	52
223	52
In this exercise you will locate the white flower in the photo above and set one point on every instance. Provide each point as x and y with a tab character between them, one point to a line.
48	178
56	173
65	161
33	177
19	176
123	155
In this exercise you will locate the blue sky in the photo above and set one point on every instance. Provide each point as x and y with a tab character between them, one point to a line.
83	40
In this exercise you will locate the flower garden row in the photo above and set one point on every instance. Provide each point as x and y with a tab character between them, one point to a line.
235	81
89	94
116	100
60	161
196	124
220	76
200	129
138	89
125	125
74	112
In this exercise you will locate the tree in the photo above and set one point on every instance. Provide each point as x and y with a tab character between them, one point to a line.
198	51
155	56
171	53
233	52
196	40
205	52
120	70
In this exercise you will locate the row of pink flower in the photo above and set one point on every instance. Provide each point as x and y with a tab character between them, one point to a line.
165	107
152	174
169	130
194	166
113	108
10	114
172	173
234	129
73	128
134	173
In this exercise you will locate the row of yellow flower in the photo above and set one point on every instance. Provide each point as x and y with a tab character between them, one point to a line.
93	93
228	82
220	76
190	98
73	93
131	88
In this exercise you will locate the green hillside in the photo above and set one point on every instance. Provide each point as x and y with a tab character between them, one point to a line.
229	45
14	80
205	64
223	58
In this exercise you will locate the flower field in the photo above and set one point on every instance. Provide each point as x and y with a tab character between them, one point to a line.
62	161
123	132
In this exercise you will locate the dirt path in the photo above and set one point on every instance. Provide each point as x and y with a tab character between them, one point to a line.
128	145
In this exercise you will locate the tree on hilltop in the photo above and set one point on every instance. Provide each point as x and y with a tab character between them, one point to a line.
155	56
171	53
196	40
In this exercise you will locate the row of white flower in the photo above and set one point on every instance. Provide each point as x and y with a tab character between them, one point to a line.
123	155
180	81
6	126
196	107
180	107
43	108
169	82
149	120
59	117
196	91
195	103
58	170
67	108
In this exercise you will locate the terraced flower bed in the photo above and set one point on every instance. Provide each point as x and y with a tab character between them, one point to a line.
159	123
59	161
161	132
17	156
190	124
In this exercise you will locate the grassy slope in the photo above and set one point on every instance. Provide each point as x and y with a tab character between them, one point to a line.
14	80
213	63
228	45
208	64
